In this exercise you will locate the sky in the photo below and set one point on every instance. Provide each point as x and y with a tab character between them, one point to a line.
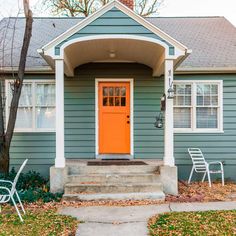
226	8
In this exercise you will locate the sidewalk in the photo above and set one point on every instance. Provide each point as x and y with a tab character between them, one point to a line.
131	220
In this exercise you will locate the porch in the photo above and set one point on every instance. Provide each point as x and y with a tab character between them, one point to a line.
99	39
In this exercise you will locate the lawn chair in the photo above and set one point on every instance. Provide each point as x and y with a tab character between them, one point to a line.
201	166
9	192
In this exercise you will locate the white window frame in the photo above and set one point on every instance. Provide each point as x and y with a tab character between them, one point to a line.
193	128
33	83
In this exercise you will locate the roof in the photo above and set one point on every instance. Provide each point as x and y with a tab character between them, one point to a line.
212	40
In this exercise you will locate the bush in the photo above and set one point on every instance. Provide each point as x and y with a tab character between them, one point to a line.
32	187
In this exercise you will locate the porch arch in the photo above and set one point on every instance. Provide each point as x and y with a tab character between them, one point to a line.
114	48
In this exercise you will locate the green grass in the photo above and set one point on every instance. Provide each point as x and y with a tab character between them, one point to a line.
194	223
37	222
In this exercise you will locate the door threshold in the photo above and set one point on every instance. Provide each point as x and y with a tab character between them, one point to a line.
114	157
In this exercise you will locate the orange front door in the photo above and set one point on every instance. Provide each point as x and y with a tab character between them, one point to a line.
114	117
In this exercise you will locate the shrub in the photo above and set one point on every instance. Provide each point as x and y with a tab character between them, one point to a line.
32	186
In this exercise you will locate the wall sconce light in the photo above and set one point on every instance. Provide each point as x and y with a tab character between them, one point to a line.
159	121
163	102
170	90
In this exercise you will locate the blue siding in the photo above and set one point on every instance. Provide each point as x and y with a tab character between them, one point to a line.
148	141
114	22
215	146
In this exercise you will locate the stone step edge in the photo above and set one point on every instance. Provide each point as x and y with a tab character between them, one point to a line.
112	174
126	184
158	195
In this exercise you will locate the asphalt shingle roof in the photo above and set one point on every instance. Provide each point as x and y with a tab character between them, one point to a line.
212	39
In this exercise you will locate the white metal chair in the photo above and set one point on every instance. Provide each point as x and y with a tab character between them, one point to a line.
9	192
201	166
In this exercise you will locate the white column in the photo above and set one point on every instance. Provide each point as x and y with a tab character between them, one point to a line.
169	121
60	146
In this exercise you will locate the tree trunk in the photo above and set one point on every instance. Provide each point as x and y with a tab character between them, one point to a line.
4	160
7	136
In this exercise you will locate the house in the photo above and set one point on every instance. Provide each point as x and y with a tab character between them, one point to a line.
93	89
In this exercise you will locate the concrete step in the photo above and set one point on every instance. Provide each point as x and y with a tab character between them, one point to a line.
91	188
158	195
114	178
132	169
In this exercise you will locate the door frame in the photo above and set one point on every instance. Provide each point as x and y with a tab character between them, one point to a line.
130	80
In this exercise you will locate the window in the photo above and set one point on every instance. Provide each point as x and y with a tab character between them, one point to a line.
198	106
36	110
114	96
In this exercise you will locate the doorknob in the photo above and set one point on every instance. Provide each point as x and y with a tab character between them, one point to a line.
127	122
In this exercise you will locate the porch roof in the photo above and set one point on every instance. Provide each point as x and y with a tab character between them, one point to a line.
114	34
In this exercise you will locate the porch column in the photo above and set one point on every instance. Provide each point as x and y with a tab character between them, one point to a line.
169	131
60	148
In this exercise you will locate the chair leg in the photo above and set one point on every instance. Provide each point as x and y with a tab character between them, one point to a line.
20	202
223	177
190	176
209	177
204	176
18	212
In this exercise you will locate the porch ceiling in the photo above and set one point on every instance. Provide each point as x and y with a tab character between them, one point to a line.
114	50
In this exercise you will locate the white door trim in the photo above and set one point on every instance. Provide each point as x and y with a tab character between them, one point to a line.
130	80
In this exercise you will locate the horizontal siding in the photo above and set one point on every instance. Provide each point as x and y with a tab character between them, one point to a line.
148	141
215	146
113	22
39	148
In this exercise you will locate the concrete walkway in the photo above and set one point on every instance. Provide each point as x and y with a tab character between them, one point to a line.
130	221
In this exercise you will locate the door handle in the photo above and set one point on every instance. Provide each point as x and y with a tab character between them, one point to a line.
127	122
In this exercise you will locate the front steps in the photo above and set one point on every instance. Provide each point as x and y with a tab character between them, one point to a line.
113	182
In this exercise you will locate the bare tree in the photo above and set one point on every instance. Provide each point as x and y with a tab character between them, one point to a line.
86	7
6	135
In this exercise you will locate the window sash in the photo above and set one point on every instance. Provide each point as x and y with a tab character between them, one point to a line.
33	106
194	107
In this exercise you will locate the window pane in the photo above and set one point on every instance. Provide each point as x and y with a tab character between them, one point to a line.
182	118
123	102
182	95
123	91
25	97
117	101
214	89
117	91
24	118
111	91
46	117
207	118
105	101
105	91
45	94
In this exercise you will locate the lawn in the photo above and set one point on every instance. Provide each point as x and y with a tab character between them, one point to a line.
194	223
37	222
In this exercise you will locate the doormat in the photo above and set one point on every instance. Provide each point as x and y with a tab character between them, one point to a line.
115	163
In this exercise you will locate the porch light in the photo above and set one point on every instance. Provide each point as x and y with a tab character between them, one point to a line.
112	54
171	93
159	121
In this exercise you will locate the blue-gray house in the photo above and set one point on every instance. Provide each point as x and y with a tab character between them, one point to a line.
93	89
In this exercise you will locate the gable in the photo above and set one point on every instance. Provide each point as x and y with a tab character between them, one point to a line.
114	22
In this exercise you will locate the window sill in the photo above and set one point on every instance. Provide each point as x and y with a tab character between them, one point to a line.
34	131
198	131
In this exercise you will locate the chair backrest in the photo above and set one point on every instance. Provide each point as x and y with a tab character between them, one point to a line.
198	159
17	176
